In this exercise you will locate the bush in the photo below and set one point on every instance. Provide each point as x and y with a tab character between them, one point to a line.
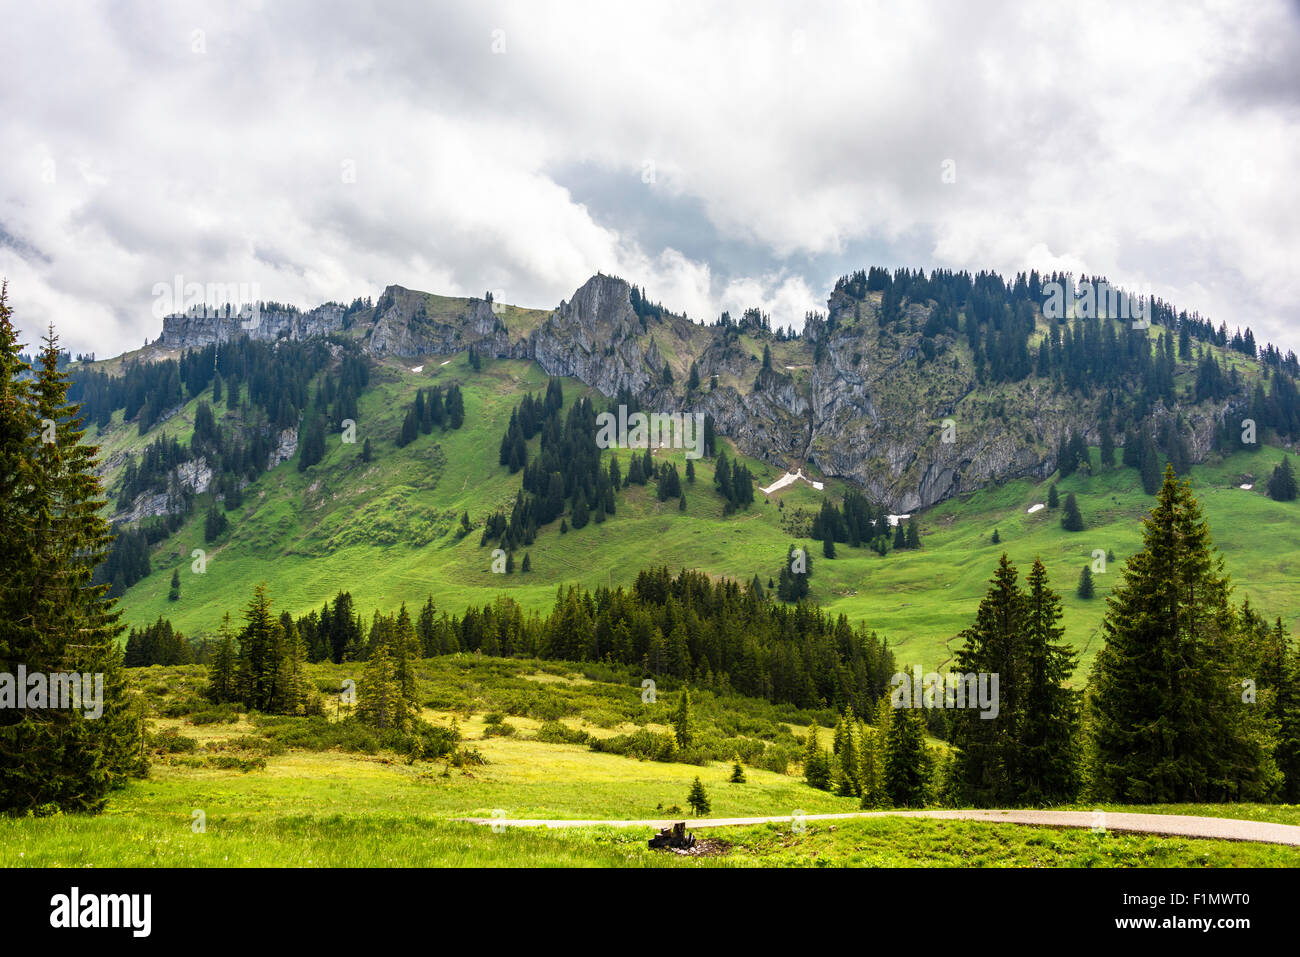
171	741
227	713
556	732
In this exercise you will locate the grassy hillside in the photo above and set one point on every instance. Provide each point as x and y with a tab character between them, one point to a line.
234	789
386	531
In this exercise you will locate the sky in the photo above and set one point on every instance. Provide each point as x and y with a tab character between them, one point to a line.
720	155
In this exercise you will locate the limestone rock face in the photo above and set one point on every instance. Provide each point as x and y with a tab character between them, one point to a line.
405	326
195	332
900	416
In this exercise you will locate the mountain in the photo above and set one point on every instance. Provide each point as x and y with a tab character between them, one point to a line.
859	395
952	396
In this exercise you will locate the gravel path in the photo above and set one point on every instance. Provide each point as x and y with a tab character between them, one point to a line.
1174	825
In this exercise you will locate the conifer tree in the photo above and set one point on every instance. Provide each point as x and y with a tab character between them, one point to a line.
54	620
1046	716
906	760
1085	589
816	767
872	756
1167	720
985	765
223	682
737	772
683	722
698	799
1287	752
379	694
1071	517
1282	483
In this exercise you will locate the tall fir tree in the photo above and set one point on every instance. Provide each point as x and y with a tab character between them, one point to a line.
55	621
1167	720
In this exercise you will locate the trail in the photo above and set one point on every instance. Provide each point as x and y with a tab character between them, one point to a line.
1170	825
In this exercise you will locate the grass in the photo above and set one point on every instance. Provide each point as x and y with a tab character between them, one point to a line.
386	532
311	807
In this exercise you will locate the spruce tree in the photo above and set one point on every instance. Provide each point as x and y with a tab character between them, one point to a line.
223	682
1047	711
986	763
1282	483
1167	722
1287	752
906	760
683	722
1085	589
379	694
1071	517
816	767
698	799
737	772
53	620
872	756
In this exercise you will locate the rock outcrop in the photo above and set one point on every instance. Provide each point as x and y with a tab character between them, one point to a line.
859	403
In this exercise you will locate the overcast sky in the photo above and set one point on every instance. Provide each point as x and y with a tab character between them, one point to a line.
720	155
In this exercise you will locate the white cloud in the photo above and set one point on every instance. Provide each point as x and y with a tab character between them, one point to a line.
1151	142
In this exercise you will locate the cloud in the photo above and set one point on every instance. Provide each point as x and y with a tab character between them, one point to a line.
720	155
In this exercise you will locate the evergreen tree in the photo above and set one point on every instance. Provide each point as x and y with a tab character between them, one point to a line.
906	760
997	539
1167	723
1071	518
1053	496
1282	483
1085	589
682	721
816	766
986	762
698	799
223	683
55	620
828	546
379	694
872	756
175	593
737	772
1047	711
1287	752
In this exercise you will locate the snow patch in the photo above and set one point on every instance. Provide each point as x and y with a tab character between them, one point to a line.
417	369
1247	487
448	362
789	478
895	519
1035	508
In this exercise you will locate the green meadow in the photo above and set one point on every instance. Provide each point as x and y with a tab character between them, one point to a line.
225	790
386	531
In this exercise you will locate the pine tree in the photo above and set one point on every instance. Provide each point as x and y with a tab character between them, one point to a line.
1282	483
175	593
847	758
816	766
1053	496
54	619
986	762
1046	716
698	799
259	652
683	722
1167	724
223	684
1085	589
872	756
906	760
1071	517
737	772
379	694
997	539
828	546
1287	752
526	565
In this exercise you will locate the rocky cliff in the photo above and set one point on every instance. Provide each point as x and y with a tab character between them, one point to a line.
855	401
